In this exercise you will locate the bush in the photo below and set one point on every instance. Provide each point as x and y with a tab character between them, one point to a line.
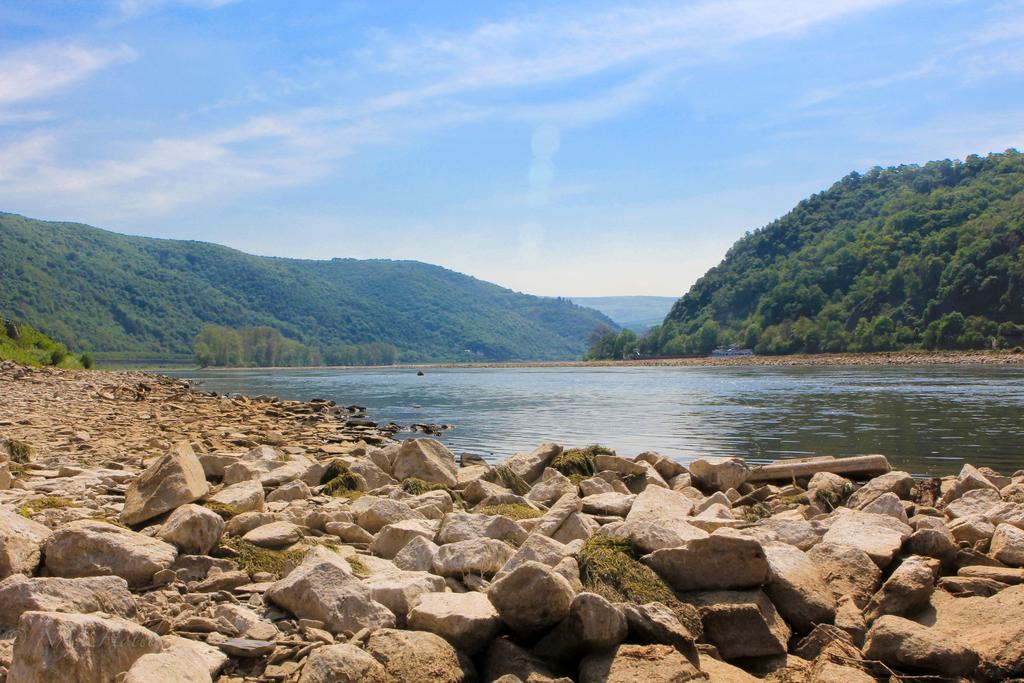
86	360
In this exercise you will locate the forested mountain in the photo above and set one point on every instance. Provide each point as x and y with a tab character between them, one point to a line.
634	312
103	291
928	256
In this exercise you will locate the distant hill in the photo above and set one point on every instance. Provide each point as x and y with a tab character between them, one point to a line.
927	256
108	292
632	312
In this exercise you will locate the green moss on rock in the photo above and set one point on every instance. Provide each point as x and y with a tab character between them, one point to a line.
18	452
253	559
512	510
610	568
510	480
224	510
416	487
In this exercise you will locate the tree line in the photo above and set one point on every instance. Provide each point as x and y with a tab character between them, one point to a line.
262	346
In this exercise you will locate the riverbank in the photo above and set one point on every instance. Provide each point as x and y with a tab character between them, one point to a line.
161	533
810	360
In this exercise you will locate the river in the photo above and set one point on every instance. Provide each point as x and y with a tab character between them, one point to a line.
928	420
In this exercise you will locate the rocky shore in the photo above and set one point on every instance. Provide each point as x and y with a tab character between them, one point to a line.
150	532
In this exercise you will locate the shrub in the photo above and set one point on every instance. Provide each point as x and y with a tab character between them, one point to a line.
579	461
86	360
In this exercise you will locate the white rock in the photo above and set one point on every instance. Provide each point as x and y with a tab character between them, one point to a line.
245	496
195	530
93	548
1008	545
19	594
21	540
324	588
83	648
391	539
426	459
175	479
532	598
481	556
880	536
466	620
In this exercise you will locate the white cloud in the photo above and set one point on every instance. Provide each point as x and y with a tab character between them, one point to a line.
35	72
449	78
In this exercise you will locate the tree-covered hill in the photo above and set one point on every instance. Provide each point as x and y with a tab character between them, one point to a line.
104	291
928	256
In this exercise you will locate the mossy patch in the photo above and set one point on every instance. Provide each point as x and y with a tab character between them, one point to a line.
830	498
610	568
511	510
16	469
579	461
223	509
253	559
335	469
416	487
18	452
343	485
359	567
510	480
46	503
756	512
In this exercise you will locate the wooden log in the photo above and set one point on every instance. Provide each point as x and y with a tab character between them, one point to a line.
860	466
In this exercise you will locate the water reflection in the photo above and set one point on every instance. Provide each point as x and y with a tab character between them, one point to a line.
926	419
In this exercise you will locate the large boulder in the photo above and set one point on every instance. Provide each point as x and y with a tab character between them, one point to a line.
20	594
903	644
593	625
720	561
531	598
899	483
182	661
880	536
639	663
194	529
400	590
375	514
847	571
466	620
92	548
531	465
536	548
463	526
426	459
906	591
245	496
969	479
391	539
480	556
720	474
343	663
993	627
796	588
77	648
655	624
418	657
1008	545
324	588
279	534
741	623
175	479
20	542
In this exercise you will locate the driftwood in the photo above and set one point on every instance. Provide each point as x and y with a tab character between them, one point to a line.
857	467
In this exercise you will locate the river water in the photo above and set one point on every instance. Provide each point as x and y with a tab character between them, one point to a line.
927	419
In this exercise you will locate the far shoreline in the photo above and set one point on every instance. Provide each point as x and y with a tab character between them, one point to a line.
902	358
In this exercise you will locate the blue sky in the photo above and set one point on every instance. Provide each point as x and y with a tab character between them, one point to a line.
586	148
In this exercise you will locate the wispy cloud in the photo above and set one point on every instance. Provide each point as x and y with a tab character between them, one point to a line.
36	72
625	57
822	95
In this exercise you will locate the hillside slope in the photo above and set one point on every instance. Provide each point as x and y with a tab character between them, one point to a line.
907	256
94	289
634	312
